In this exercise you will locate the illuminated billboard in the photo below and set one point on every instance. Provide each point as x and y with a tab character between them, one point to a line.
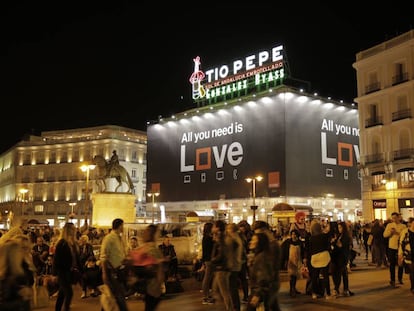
301	145
241	77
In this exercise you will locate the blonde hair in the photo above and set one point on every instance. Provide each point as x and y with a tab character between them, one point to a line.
26	245
84	238
68	234
11	259
11	234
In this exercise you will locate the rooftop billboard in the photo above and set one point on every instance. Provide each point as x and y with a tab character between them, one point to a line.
301	145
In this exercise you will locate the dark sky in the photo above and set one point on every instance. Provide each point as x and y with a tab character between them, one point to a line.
68	64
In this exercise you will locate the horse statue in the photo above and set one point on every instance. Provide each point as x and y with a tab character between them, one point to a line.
106	170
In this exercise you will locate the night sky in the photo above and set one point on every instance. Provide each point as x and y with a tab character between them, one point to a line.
69	64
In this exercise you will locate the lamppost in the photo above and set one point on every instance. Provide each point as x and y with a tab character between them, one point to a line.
153	195
87	168
72	215
253	181
23	192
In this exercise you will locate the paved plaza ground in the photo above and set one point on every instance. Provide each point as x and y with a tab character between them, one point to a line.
370	285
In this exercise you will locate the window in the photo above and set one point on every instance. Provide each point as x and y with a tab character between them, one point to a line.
40	175
52	157
38	208
134	156
133	173
75	156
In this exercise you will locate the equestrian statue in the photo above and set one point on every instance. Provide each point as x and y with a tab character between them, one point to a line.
111	169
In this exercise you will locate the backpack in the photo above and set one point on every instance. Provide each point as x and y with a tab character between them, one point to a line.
406	248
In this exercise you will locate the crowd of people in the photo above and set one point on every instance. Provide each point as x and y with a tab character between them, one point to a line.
322	252
239	263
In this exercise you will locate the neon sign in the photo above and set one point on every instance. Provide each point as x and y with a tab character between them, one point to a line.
240	77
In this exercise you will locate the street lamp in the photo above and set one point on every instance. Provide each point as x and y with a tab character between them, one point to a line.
72	215
23	192
87	168
153	195
253	181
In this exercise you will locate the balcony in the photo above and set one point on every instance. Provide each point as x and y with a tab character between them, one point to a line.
373	122
372	87
378	187
403	154
401	114
374	158
400	78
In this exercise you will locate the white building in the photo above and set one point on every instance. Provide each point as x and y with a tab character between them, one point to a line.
41	180
385	78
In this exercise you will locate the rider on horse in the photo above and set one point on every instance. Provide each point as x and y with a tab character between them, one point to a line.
113	163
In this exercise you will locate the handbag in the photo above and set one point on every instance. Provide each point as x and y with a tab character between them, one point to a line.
304	271
321	259
370	239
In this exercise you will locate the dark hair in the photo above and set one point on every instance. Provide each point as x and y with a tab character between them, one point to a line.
260	224
151	230
263	243
344	227
221	225
116	223
207	228
295	231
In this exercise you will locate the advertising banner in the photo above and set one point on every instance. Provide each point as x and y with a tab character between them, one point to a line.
298	147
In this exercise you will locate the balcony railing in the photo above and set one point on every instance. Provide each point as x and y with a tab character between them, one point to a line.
404	154
373	122
376	86
374	158
378	187
401	114
400	78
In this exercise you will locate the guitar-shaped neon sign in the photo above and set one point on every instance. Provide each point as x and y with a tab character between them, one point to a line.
196	77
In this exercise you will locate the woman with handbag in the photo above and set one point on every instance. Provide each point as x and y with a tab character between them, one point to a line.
319	248
66	266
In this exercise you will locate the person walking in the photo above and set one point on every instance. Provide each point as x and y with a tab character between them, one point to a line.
319	248
405	251
206	249
295	260
157	277
113	254
235	247
341	247
378	244
15	285
246	235
219	258
392	232
275	259
261	271
66	266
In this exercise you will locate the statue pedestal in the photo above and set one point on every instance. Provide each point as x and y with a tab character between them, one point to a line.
108	206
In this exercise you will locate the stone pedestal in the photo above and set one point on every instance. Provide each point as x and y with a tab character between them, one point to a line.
111	205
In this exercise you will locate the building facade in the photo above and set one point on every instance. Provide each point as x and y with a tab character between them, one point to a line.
304	147
385	85
41	180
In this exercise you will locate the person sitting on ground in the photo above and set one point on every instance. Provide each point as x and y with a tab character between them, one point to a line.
92	276
171	264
